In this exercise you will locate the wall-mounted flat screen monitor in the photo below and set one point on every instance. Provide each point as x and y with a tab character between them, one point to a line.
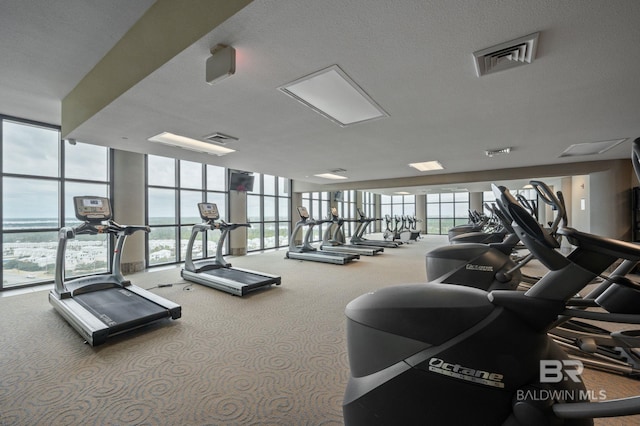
241	182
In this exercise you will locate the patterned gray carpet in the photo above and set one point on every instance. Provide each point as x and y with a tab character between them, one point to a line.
274	357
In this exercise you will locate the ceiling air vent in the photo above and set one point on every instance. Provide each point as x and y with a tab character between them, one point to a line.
521	51
220	138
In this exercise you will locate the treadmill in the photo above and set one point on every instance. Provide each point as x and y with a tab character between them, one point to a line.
101	306
217	273
306	251
358	239
332	240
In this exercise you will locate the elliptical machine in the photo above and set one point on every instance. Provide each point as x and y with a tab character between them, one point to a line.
417	351
488	266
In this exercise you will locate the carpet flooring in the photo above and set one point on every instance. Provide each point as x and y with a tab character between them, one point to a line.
274	357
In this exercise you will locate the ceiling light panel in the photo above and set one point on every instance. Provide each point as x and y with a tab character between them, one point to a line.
427	166
184	142
590	148
333	94
330	176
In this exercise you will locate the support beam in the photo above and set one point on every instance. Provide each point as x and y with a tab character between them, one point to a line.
165	30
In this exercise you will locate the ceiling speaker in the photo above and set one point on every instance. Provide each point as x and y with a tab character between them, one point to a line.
221	64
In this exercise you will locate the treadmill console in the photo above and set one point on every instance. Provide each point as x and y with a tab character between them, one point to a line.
92	209
209	211
303	212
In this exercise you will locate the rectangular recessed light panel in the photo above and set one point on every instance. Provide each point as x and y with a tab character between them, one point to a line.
590	148
427	166
331	93
330	176
190	144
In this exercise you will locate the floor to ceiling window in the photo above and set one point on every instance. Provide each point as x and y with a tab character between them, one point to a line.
268	206
394	207
174	189
369	209
446	210
40	177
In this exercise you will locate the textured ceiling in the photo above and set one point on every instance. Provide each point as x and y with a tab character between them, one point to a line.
414	58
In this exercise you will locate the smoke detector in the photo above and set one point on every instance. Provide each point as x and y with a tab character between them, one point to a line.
220	138
521	51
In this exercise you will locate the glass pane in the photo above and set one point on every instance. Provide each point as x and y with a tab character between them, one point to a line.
28	257
85	161
283	209
189	213
161	171
253	237
446	210
315	209
385	199
269	208
86	254
396	199
283	234
216	178
433	226
446	197
462	210
461	196
74	189
30	150
409	199
269	235
433	211
324	210
433	198
269	185
253	208
283	186
385	210
29	203
220	200
162	206
162	245
190	175
410	209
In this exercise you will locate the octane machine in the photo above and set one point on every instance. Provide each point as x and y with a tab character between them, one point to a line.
100	306
217	273
449	354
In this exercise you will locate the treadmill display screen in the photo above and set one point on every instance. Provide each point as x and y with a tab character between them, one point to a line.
92	209
208	211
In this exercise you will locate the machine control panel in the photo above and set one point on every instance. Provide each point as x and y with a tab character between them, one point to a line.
92	209
303	212
209	211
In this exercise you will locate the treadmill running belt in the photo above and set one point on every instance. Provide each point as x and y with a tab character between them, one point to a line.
240	276
120	309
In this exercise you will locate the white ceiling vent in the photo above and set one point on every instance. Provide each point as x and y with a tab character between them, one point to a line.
521	51
220	138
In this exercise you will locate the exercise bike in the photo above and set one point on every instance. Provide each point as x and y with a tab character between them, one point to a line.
451	354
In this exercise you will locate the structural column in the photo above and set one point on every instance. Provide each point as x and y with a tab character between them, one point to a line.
128	202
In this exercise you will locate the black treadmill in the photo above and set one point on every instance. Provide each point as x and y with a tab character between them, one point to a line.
306	251
357	239
217	273
100	306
